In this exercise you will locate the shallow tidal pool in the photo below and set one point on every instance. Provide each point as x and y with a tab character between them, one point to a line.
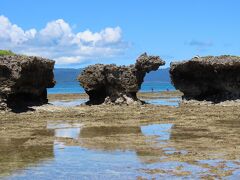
77	102
122	142
106	153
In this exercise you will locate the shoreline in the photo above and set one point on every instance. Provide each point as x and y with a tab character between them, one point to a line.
169	96
202	131
140	95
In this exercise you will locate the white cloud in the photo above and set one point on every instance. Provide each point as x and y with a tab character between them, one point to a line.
106	36
88	36
69	60
111	35
58	41
12	33
56	29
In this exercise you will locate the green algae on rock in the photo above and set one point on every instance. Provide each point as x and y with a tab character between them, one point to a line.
6	52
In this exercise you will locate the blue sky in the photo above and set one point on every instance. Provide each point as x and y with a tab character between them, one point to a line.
77	33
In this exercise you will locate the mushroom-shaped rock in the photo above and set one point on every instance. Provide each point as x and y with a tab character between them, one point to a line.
24	81
117	84
208	78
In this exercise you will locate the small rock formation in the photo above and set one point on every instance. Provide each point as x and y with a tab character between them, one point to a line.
23	81
208	78
117	84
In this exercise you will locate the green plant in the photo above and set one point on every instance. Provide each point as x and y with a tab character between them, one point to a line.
6	52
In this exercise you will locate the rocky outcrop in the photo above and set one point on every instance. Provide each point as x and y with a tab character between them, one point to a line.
23	81
117	84
208	78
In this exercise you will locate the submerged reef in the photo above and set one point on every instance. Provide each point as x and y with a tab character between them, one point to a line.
24	81
211	78
113	84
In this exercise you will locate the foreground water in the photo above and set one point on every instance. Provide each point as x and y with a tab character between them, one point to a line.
100	153
103	161
202	142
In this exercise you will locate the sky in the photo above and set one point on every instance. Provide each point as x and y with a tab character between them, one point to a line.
77	33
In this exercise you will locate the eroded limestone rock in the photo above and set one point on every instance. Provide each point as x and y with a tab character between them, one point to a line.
117	84
23	81
208	78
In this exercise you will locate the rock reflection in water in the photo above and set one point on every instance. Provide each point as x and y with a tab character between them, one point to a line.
144	141
190	149
17	153
111	138
184	149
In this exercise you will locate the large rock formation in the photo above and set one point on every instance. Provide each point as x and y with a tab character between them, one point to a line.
117	84
208	78
23	81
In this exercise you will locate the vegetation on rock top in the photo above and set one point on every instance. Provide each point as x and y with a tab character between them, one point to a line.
6	52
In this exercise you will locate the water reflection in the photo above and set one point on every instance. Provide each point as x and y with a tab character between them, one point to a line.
125	151
166	102
174	149
71	103
65	130
17	154
160	130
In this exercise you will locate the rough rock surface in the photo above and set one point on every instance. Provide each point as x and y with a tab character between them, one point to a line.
23	81
208	78
117	84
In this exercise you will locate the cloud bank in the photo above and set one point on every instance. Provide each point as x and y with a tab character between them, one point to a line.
58	41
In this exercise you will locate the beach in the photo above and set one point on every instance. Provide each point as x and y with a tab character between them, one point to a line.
136	141
119	90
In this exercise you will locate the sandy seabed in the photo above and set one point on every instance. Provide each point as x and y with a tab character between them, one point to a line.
201	133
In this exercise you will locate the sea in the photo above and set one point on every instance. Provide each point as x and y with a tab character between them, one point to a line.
72	87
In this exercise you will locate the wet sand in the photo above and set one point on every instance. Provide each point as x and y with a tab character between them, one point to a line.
189	140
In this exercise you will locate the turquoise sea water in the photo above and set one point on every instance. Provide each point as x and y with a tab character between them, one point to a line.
74	87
